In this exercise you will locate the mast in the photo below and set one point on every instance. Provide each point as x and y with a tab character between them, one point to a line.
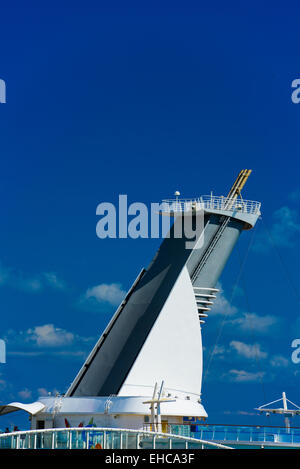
284	410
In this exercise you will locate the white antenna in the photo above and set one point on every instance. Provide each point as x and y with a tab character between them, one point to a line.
285	411
156	419
177	194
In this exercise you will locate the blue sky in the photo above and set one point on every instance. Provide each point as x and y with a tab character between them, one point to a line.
144	99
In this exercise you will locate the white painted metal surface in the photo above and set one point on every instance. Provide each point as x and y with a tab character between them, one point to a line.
119	405
173	350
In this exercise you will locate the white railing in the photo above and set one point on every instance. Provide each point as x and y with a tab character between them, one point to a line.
211	202
102	438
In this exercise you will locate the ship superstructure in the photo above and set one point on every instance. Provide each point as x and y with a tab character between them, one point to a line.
140	371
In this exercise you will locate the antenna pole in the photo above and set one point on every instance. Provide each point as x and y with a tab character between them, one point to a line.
238	185
284	410
284	401
286	418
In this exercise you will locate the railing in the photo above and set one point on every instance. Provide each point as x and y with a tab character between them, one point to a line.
211	202
101	438
188	436
236	433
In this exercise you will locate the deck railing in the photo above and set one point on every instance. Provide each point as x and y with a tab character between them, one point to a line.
236	433
101	438
188	436
211	202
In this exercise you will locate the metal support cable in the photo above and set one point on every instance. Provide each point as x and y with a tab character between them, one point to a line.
248	307
288	276
230	301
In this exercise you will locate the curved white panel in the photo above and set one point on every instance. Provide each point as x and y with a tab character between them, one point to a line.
172	351
32	408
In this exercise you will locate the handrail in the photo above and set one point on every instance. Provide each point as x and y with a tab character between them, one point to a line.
110	429
236	425
211	202
239	433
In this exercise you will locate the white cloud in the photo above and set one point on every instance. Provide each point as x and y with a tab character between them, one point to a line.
53	281
25	353
29	283
3	385
240	376
219	350
44	393
106	293
47	339
244	412
295	326
279	361
245	322
222	306
283	231
238	412
26	284
294	196
248	350
285	226
25	394
255	322
4	274
49	336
